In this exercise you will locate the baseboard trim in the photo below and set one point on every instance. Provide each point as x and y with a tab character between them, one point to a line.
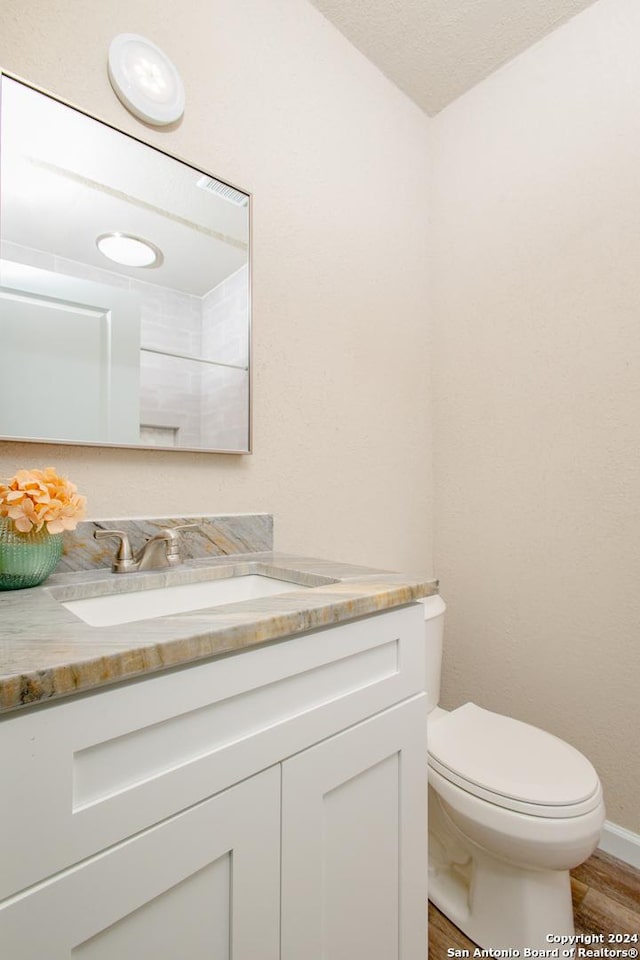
621	843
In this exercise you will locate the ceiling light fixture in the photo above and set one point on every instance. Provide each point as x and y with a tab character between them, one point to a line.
145	79
129	251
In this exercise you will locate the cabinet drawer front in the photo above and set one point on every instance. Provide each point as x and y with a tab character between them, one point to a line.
88	772
216	894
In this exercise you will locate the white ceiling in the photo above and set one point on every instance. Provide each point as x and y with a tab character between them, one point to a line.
435	50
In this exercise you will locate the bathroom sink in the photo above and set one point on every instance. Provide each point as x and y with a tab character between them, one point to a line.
115	608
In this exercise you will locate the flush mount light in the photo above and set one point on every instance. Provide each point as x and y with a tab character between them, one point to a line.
128	250
145	79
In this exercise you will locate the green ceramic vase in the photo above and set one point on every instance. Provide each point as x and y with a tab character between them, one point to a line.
26	559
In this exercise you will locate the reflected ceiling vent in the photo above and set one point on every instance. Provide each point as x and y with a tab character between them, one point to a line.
223	190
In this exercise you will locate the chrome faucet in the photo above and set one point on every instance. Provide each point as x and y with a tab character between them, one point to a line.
161	550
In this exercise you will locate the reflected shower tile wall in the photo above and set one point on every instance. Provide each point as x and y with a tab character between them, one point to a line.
225	311
225	337
225	408
171	321
170	390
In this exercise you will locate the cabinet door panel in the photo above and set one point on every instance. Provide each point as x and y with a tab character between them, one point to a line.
354	842
202	885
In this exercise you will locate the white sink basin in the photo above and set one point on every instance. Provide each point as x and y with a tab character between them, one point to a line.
182	598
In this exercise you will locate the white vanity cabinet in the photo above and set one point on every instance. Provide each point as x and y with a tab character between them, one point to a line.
269	805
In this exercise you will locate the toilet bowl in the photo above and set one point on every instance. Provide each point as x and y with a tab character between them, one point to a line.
511	810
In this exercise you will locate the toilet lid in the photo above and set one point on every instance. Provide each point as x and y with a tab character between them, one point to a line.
509	762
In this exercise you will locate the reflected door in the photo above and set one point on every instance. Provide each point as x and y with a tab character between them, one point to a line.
70	353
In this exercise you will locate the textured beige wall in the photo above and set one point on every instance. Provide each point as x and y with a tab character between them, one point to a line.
279	103
537	392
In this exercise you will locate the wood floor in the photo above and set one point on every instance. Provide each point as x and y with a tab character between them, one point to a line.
606	899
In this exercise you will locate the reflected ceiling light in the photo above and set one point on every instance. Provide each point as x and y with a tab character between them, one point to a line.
145	79
128	250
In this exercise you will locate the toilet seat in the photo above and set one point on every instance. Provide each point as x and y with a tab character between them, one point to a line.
512	764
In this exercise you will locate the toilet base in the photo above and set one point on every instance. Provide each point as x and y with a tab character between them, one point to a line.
496	904
505	908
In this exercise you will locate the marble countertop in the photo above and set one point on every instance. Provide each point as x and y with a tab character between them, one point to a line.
47	653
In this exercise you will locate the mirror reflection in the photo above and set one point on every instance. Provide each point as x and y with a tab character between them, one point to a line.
124	287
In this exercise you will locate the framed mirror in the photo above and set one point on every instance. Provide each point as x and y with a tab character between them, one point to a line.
124	287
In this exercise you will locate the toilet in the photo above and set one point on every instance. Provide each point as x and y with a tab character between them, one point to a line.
511	810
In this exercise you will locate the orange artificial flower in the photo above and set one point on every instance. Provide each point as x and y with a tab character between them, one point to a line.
35	498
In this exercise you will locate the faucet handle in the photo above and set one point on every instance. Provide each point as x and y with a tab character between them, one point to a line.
124	556
168	533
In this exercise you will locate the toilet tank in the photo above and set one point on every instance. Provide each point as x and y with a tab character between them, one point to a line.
434	608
